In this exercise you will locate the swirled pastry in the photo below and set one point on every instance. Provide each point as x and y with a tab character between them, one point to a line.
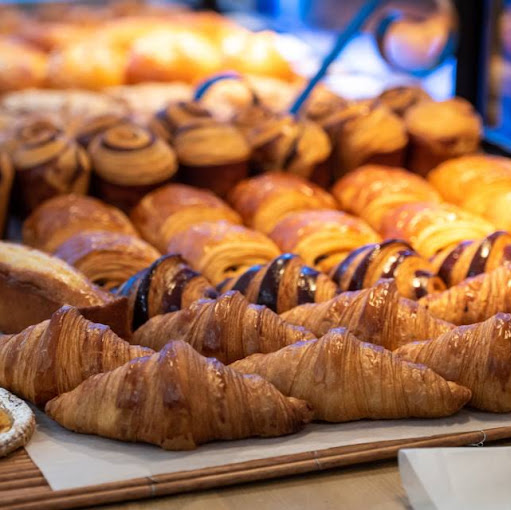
401	99
6	181
89	127
60	218
363	267
219	249
264	200
163	213
439	131
431	227
282	284
322	238
372	190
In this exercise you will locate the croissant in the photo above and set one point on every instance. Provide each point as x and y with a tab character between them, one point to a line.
401	99
6	181
474	299
228	328
430	227
173	208
345	380
106	258
475	356
363	267
220	250
372	191
470	258
60	218
177	399
33	285
167	285
377	315
56	355
322	238
282	284
264	200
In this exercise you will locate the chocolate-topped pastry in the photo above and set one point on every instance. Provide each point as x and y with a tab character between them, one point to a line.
6	180
129	161
47	163
440	131
401	99
363	267
167	285
88	128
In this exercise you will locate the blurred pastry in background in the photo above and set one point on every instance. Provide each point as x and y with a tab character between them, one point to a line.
401	99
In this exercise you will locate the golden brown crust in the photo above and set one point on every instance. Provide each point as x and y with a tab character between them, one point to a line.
177	399
372	191
377	315
60	218
6	182
91	126
322	238
173	208
219	249
264	200
401	99
344	380
228	328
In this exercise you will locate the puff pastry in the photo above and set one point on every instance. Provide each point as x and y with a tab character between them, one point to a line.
322	238
345	380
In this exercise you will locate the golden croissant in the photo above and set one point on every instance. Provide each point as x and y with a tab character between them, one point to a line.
474	299
56	355
229	328
177	399
377	315
344	379
477	356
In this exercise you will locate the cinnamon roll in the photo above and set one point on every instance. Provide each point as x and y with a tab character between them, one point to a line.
440	131
128	162
48	163
6	181
88	128
163	213
371	191
264	200
363	267
322	238
401	99
220	250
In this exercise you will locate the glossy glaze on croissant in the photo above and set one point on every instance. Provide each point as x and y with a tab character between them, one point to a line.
173	208
56	355
220	250
322	238
167	285
6	181
60	218
228	328
177	399
378	315
282	284
344	380
474	299
430	227
477	356
363	267
372	191
264	200
106	258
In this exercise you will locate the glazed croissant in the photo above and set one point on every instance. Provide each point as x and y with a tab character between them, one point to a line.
470	258
167	285
474	299
173	208
219	249
372	191
431	227
60	218
282	284
228	328
477	356
322	238
377	315
56	355
363	267
344	379
177	399
264	200
6	182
